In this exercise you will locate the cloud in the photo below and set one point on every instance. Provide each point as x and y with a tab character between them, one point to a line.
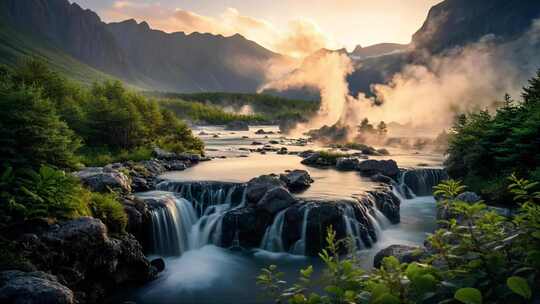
426	95
299	38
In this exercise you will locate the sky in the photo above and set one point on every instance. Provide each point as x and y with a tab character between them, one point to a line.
293	27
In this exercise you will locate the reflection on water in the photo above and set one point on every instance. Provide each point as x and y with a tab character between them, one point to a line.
212	275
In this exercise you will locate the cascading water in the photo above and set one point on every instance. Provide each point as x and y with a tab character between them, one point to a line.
420	182
190	217
193	216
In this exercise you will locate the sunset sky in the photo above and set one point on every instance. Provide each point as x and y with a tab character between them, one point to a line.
295	28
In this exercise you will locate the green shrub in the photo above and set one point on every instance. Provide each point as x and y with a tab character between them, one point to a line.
484	147
31	132
110	211
44	193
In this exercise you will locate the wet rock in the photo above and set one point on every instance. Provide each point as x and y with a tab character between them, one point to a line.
275	200
33	288
176	165
257	187
159	264
381	178
347	163
383	151
162	154
404	254
306	153
273	142
86	259
387	202
237	126
244	227
282	151
316	160
101	179
257	143
139	184
468	197
371	167
297	180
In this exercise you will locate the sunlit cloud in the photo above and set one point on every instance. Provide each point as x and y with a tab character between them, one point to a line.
299	38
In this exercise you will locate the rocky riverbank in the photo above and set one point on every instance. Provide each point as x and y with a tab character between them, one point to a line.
80	261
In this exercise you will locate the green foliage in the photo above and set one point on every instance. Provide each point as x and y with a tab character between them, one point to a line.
484	148
208	113
479	257
520	286
44	117
207	107
331	156
468	295
448	189
97	157
44	193
31	131
109	210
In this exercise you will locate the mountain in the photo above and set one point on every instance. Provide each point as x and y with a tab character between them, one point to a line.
451	24
137	54
377	50
454	23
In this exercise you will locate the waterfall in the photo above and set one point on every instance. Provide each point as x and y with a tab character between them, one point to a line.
300	245
172	219
273	237
194	214
190	216
420	182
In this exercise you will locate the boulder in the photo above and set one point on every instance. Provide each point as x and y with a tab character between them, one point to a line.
257	187
469	197
296	180
162	154
38	287
237	126
383	151
159	264
371	167
381	178
404	254
139	184
101	179
86	259
282	151
275	200
244	227
347	163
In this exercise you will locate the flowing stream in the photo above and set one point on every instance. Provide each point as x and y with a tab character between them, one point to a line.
188	222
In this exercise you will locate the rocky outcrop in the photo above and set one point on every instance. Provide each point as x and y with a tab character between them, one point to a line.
385	167
244	227
296	180
37	287
317	160
404	254
237	126
259	186
275	200
86	259
103	179
468	197
347	163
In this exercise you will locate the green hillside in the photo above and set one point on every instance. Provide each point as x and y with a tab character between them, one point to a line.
15	45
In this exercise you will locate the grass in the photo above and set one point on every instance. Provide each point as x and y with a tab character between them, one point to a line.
97	157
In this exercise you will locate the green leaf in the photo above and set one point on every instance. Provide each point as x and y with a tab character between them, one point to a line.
379	290
424	283
387	299
468	295
520	286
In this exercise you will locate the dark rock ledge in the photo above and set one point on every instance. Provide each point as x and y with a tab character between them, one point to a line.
78	261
